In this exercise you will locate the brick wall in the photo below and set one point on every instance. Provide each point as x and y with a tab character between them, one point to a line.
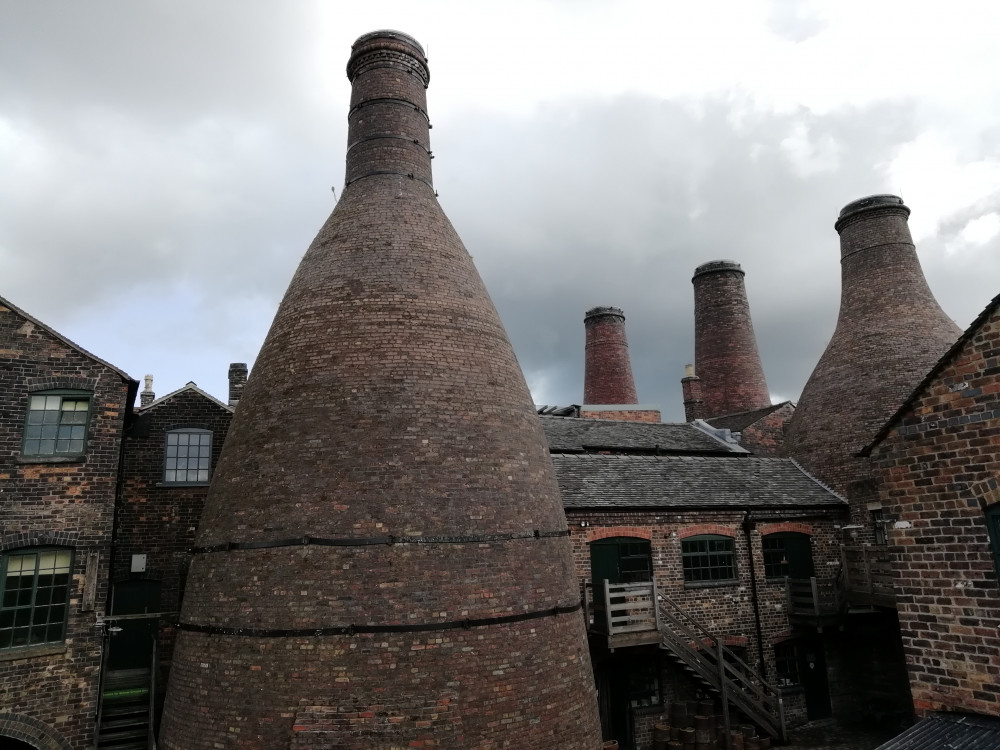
52	689
937	470
160	519
623	415
724	609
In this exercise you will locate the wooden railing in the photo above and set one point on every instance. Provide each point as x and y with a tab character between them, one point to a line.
619	608
813	599
721	669
867	576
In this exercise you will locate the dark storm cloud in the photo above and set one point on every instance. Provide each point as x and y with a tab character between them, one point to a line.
166	164
617	203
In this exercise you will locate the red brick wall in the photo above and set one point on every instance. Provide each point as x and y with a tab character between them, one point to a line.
623	415
935	470
725	348
68	503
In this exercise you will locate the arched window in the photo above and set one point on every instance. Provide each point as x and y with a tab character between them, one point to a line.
708	558
34	593
787	554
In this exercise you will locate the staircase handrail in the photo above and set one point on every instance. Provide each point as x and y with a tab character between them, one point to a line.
735	680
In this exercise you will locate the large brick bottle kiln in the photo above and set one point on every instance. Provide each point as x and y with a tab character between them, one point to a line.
383	560
890	331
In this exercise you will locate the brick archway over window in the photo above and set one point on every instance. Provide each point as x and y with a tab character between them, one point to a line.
785	526
637	532
32	731
699	529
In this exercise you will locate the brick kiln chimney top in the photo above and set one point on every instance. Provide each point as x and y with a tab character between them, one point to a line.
607	376
726	358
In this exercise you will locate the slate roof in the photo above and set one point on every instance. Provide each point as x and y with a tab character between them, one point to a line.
189	387
594	480
573	434
741	420
945	731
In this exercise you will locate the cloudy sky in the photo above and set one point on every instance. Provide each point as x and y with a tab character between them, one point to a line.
164	164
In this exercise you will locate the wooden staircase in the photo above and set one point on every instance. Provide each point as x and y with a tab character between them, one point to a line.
720	670
125	709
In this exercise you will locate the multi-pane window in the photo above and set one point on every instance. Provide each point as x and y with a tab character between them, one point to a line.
787	554
786	663
34	592
708	559
775	559
878	526
189	456
56	424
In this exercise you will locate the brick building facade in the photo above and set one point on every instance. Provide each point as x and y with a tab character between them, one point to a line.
937	461
63	414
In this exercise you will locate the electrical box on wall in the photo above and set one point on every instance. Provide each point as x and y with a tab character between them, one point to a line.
138	563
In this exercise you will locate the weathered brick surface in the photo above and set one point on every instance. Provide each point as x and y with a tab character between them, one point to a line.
607	372
725	348
386	402
50	691
889	333
158	519
937	469
624	415
766	436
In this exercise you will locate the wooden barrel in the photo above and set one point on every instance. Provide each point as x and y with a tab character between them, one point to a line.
751	743
692	712
706	708
749	730
737	740
704	729
678	714
765	743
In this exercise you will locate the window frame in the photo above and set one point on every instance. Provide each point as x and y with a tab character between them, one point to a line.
34	607
63	394
690	555
187	482
787	654
784	564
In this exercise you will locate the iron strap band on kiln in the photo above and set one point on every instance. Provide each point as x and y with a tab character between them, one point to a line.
303	541
356	629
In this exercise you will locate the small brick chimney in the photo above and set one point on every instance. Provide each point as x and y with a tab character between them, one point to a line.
237	381
147	396
607	375
694	405
725	348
